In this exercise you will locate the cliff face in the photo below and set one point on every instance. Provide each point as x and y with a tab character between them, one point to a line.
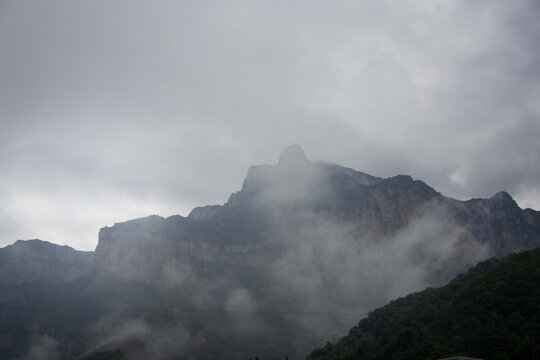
167	251
500	222
245	232
36	260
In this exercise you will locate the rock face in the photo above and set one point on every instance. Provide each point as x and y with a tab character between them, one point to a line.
242	232
36	260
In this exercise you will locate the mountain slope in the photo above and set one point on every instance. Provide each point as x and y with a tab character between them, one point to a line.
71	316
491	312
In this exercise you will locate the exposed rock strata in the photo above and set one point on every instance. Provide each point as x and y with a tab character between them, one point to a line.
241	232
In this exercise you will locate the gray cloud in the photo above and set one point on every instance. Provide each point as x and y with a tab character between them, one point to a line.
326	268
110	111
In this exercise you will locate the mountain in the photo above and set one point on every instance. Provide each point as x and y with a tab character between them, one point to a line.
299	253
298	193
491	312
34	260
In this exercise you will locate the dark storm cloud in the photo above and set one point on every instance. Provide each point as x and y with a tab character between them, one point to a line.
112	110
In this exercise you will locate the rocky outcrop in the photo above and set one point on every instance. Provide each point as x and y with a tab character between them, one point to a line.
36	260
242	232
501	222
293	156
168	251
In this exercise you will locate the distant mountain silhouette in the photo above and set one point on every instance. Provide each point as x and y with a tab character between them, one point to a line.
33	260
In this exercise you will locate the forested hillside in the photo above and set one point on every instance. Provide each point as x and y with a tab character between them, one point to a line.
491	312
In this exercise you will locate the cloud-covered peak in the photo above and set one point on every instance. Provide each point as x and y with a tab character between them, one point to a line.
293	155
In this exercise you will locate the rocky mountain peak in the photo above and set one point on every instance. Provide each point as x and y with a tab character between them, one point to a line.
275	198
504	198
293	156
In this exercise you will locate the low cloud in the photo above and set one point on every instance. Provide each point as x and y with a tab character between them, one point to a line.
138	338
325	268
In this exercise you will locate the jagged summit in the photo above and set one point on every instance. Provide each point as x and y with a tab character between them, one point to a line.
293	155
502	196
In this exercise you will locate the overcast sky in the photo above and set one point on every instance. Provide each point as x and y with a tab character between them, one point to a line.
112	110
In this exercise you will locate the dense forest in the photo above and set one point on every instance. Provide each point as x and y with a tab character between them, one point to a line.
491	312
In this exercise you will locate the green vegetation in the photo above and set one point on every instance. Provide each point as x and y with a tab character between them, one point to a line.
491	312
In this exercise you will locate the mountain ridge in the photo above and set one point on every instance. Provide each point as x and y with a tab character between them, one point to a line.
375	206
32	260
299	237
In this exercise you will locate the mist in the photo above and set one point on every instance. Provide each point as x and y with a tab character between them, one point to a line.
137	338
333	270
111	111
42	348
315	269
295	258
